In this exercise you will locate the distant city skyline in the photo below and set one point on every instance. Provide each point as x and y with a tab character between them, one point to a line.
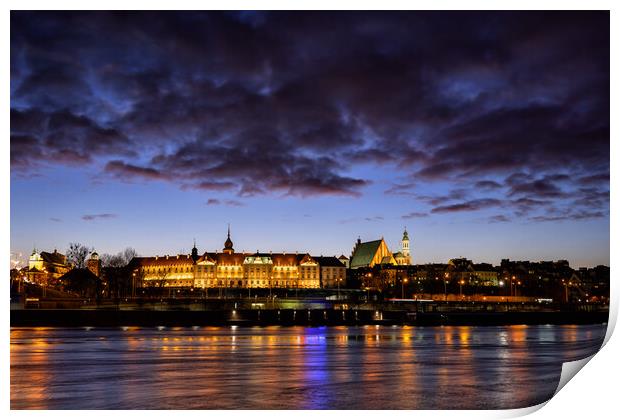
486	134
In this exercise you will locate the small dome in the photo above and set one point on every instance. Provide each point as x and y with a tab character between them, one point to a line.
405	235
94	256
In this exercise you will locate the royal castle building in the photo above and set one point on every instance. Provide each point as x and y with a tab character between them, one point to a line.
232	269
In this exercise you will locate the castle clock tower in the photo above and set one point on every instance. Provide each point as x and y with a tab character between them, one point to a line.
404	245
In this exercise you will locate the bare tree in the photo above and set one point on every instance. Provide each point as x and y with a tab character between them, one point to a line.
77	254
119	260
109	260
129	254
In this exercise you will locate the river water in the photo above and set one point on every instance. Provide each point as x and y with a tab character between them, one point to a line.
367	367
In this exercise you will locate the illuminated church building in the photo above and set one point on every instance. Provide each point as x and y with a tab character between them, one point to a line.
240	270
369	254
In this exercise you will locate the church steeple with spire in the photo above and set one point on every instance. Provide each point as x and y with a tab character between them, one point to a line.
195	252
228	245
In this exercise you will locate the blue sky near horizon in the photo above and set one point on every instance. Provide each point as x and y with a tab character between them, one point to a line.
322	226
485	133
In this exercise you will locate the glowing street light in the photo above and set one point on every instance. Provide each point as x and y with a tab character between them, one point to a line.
339	287
270	281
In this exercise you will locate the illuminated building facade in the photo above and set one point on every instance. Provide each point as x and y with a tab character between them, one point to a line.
232	269
369	254
46	267
403	257
333	272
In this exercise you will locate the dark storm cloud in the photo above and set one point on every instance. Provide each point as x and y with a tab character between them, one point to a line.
61	137
490	185
596	179
471	205
537	188
524	205
296	103
570	215
123	170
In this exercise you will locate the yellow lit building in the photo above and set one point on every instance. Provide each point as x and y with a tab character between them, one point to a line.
46	267
369	254
232	269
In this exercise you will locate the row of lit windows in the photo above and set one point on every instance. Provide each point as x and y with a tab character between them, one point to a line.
306	272
255	283
168	269
189	268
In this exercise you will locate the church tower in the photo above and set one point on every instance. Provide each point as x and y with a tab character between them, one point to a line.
404	246
228	245
194	252
94	264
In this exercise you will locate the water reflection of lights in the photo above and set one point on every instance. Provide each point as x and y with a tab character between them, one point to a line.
464	334
313	360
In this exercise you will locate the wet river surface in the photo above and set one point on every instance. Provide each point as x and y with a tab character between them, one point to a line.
366	367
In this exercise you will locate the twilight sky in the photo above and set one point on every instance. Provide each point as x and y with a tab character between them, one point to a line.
485	133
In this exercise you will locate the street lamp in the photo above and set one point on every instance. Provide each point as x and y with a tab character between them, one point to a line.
45	282
338	288
403	288
461	283
566	289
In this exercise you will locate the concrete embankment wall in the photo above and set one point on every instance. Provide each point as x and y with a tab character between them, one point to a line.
172	318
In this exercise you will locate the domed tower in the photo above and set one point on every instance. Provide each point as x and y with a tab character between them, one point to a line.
228	245
404	246
94	264
35	260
